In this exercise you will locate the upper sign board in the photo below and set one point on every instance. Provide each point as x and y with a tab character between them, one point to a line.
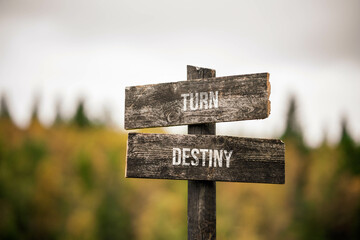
207	100
205	157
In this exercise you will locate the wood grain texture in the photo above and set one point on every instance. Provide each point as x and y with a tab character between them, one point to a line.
252	160
201	210
241	97
201	194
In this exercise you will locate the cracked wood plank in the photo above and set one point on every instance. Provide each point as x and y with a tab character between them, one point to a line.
169	156
207	100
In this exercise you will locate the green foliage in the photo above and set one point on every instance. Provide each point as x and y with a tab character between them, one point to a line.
18	167
34	150
85	170
4	110
350	152
68	182
293	130
292	126
113	218
58	117
35	109
80	119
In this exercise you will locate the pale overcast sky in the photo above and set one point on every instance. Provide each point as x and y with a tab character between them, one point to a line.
70	49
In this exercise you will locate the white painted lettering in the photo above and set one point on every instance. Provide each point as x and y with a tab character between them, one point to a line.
185	156
185	95
200	101
203	151
176	156
192	107
203	100
227	157
214	98
218	155
201	157
195	160
210	157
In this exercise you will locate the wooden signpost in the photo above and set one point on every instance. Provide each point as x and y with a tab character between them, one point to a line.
201	157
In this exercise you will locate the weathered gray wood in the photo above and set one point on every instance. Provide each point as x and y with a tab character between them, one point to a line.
201	194
252	160
201	210
241	97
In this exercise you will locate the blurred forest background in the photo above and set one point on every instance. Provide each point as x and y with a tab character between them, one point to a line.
67	182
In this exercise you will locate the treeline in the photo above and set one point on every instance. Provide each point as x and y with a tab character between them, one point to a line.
349	148
326	190
62	181
79	119
347	145
67	182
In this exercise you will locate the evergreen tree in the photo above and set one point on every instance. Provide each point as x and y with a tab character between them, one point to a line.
35	109
350	152
4	111
293	130
58	118
292	126
80	119
35	121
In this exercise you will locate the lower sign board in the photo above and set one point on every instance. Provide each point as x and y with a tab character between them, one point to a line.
205	157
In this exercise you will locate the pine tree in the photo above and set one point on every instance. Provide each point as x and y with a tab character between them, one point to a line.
350	152
80	119
4	111
35	124
58	118
292	125
293	131
35	109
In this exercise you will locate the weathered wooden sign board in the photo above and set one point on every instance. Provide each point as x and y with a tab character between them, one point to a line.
207	100
205	157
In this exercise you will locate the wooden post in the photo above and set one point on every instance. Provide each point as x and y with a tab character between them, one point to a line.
201	194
